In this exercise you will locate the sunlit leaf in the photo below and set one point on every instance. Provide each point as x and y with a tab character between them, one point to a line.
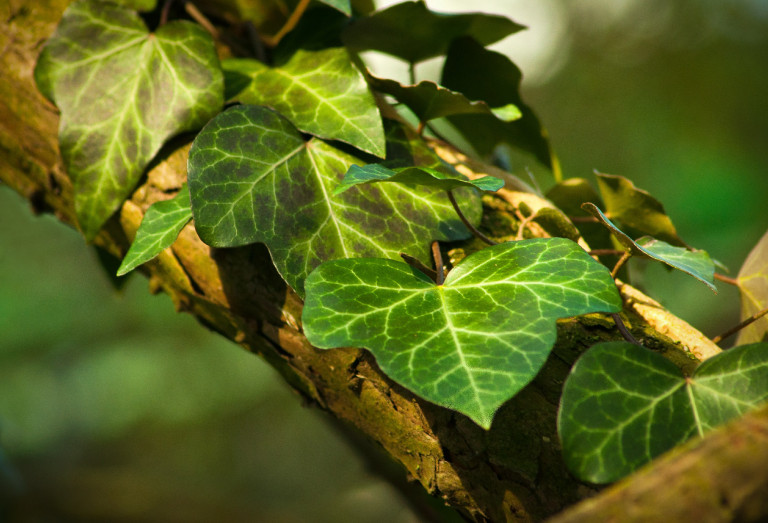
568	196
425	176
753	284
472	343
696	263
623	405
428	100
467	61
158	230
342	5
635	210
253	178
320	92
122	93
411	31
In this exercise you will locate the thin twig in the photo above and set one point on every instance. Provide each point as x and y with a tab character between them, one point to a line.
438	257
165	12
727	279
620	263
583	219
272	41
737	328
206	24
623	330
464	220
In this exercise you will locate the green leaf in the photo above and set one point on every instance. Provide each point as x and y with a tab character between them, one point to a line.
568	196
414	33
472	343
320	92
342	5
428	100
253	178
635	210
623	405
122	93
374	172
753	286
467	61
138	5
696	263
158	230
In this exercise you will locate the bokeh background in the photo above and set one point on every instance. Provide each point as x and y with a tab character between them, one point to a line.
113	407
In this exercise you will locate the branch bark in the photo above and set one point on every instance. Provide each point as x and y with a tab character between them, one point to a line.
513	472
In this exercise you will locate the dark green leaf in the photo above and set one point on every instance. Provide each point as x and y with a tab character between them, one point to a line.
138	5
753	284
374	172
122	93
568	196
466	62
623	405
472	343
414	33
158	230
342	5
635	210
428	100
696	263
320	92
253	178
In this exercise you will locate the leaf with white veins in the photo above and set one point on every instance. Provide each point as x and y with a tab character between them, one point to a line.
472	343
122	93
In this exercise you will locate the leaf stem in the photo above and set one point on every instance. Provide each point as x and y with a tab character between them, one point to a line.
620	263
469	226
412	72
623	330
727	279
272	41
438	257
606	252
737	328
206	24
583	219
165	12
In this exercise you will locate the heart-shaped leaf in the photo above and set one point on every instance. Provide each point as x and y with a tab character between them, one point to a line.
467	61
696	263
253	178
420	33
122	93
428	100
374	172
635	210
320	92
158	230
472	343
623	405
753	284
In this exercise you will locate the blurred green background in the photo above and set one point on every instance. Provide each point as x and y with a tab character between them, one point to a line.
114	407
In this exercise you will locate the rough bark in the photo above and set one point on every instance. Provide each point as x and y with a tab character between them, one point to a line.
514	472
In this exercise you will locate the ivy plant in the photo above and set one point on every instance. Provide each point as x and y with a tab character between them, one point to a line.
314	157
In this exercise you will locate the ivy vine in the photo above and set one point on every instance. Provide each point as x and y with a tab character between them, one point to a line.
328	165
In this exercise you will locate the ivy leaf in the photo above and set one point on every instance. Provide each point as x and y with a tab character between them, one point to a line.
468	60
623	405
122	93
158	230
421	33
696	263
342	5
568	196
253	178
428	100
635	210
472	343
425	176
320	92
753	286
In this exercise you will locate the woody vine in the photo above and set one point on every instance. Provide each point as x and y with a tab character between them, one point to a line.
335	171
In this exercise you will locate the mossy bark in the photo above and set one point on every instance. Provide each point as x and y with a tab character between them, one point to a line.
514	472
